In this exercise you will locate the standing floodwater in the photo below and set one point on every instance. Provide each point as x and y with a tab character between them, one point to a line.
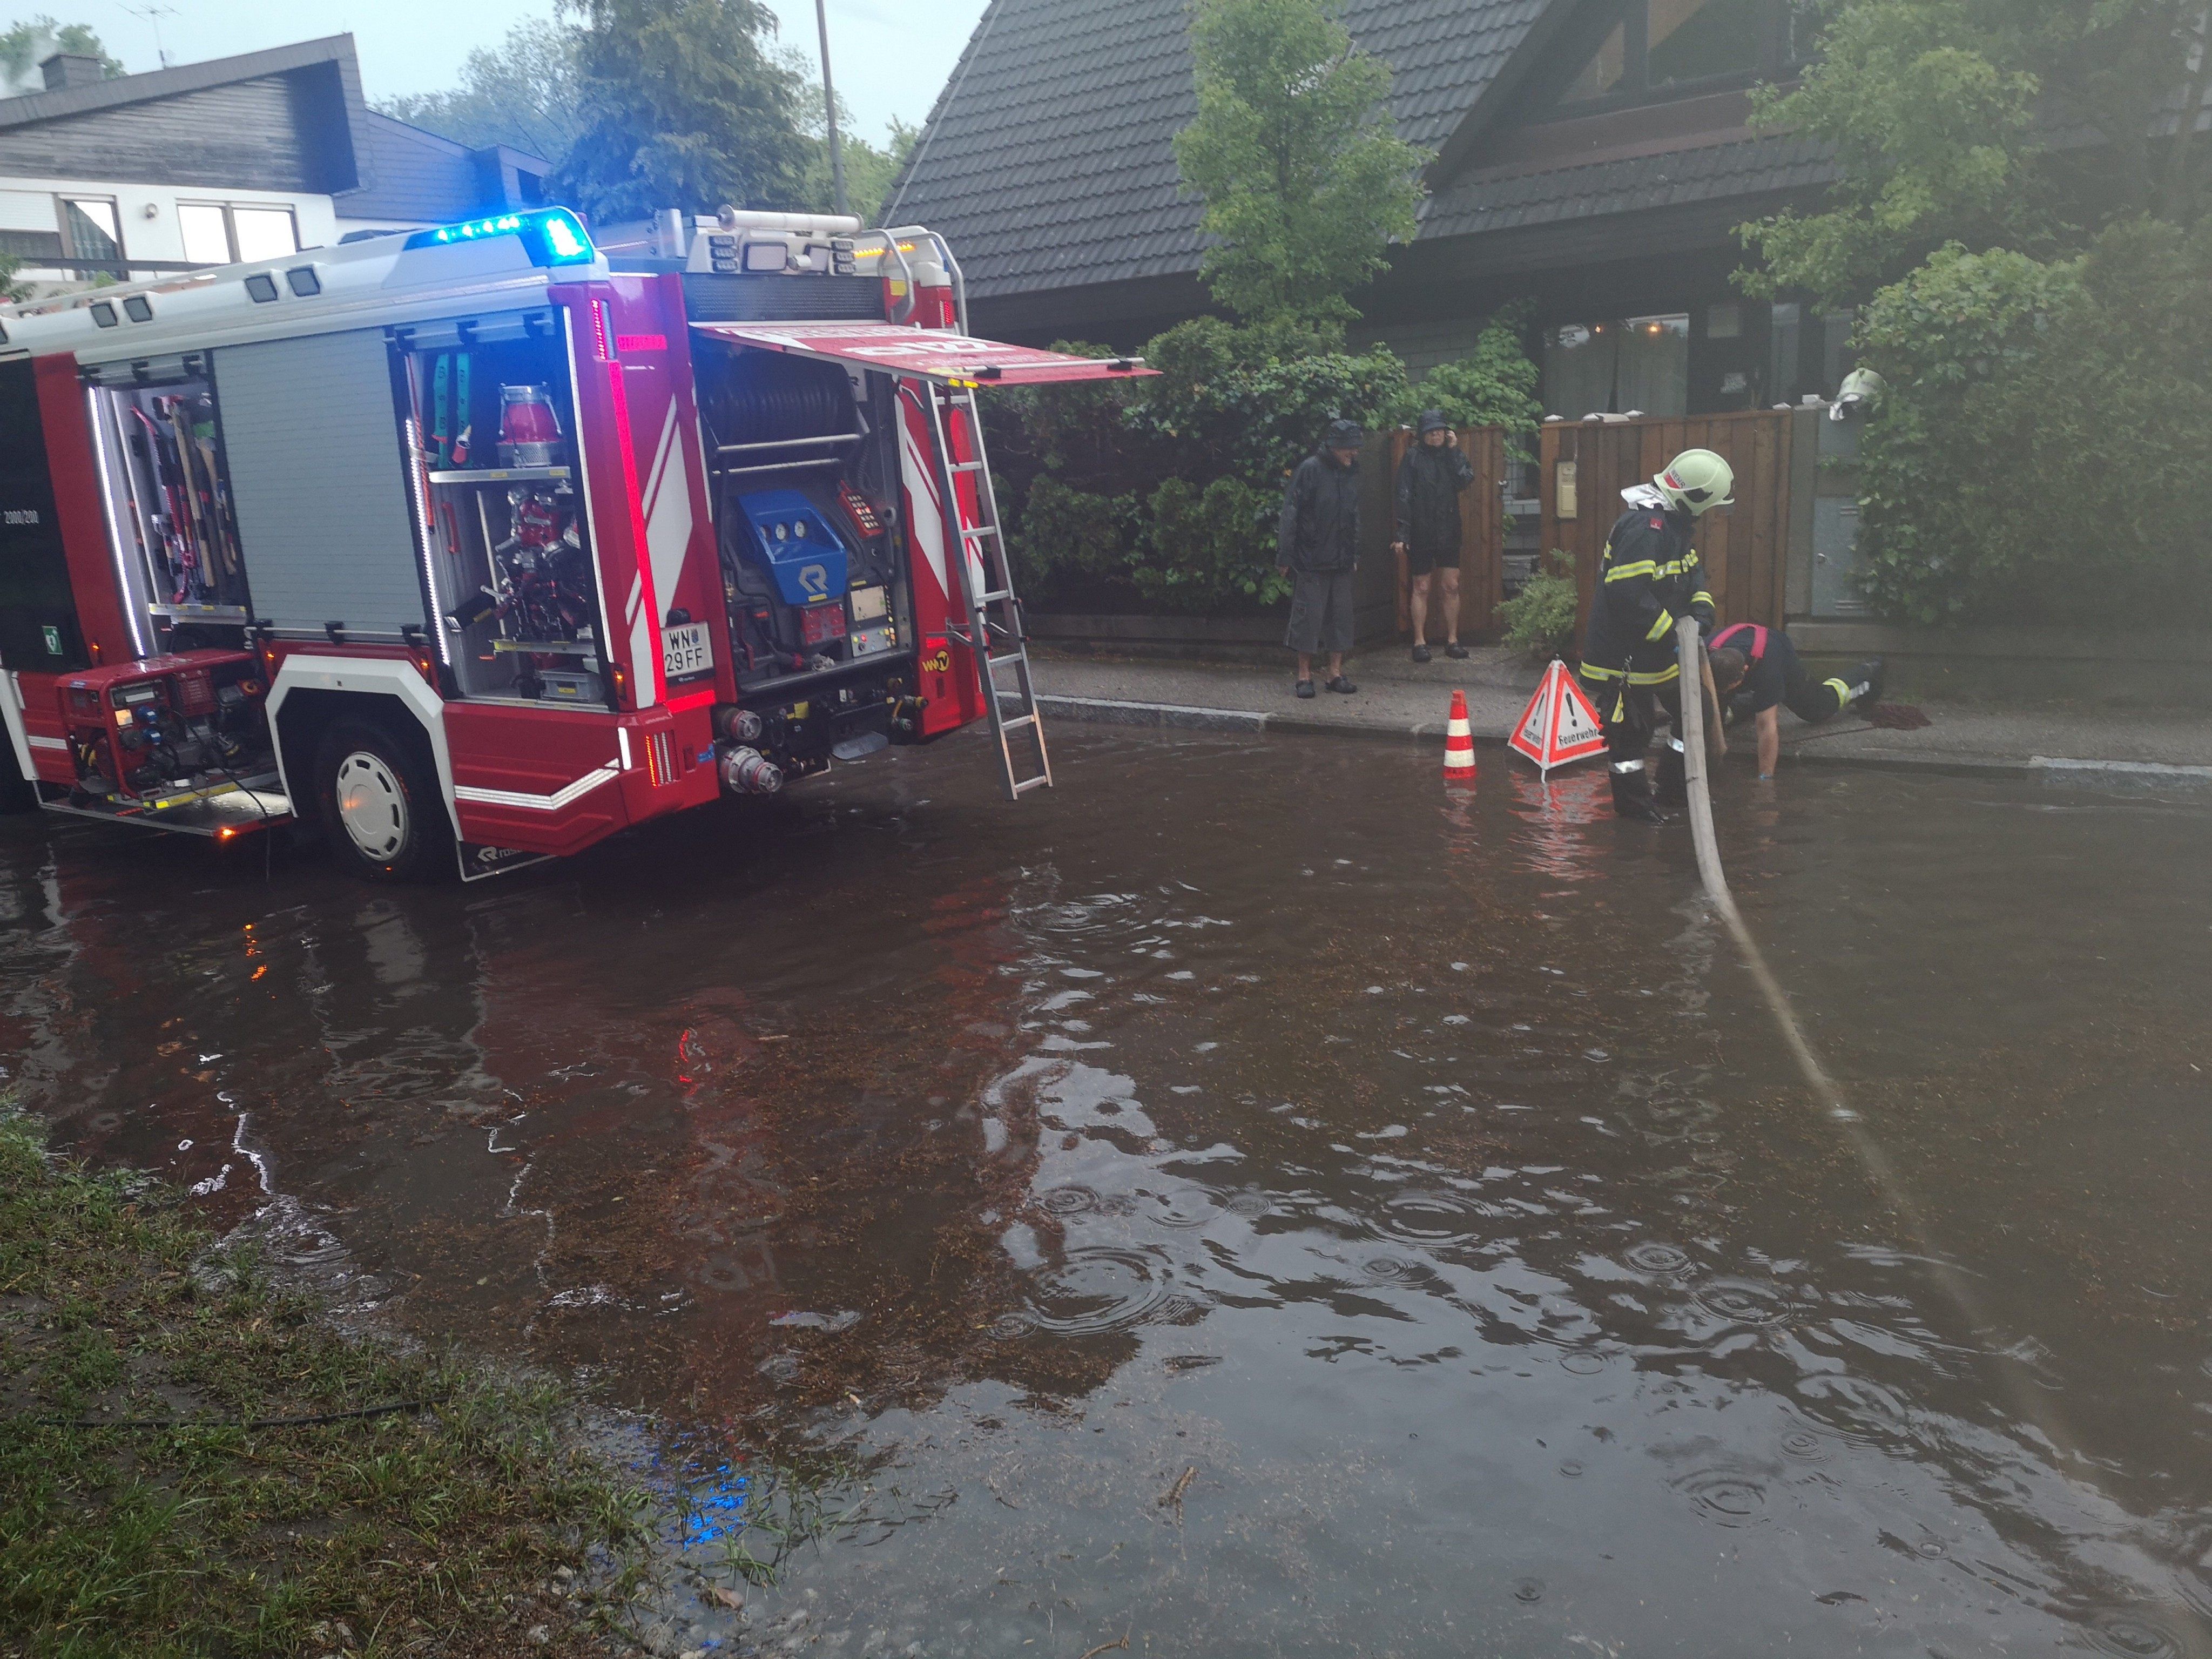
1250	1199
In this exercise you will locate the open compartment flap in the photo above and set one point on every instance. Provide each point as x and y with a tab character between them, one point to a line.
924	353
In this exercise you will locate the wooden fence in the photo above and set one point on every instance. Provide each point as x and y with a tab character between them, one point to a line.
1587	464
1482	536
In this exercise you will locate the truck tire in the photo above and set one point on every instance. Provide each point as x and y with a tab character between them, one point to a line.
380	808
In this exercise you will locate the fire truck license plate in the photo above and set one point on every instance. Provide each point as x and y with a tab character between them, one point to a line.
685	650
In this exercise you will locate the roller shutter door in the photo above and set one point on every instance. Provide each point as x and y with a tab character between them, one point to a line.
320	483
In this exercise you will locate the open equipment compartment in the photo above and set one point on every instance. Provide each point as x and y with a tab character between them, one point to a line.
803	473
491	414
157	442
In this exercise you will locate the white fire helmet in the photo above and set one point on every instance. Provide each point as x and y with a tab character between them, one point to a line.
1697	481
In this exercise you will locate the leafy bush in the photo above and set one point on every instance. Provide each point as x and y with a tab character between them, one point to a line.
1211	545
1540	618
1063	533
2044	452
1496	385
1255	400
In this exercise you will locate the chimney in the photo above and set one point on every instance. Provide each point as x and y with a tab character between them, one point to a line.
72	69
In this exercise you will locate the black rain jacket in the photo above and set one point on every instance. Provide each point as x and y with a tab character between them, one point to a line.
1429	485
1320	527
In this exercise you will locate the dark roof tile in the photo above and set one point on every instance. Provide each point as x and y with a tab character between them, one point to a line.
1049	159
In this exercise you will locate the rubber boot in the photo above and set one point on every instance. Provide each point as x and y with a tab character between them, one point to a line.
1866	682
1674	779
1632	794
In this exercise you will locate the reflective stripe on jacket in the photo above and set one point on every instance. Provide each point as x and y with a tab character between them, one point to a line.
1650	578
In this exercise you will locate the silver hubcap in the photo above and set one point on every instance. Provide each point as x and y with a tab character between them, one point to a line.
372	805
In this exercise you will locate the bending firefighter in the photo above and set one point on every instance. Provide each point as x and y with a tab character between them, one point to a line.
1650	578
1759	667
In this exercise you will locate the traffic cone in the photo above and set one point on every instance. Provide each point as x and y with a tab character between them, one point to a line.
1459	742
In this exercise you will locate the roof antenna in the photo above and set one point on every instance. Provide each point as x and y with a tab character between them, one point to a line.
829	108
154	14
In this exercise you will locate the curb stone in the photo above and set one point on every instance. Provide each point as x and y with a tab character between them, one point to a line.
1252	722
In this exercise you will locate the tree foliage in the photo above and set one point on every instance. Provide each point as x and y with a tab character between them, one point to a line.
2046	451
1497	383
684	106
524	94
2013	222
870	169
1306	181
25	45
2023	124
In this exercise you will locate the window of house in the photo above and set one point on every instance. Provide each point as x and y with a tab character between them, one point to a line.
1692	40
217	234
1659	46
1618	365
1602	74
91	229
207	232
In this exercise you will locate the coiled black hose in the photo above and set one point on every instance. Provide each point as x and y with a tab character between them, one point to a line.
761	397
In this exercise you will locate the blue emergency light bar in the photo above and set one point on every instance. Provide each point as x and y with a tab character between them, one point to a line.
553	236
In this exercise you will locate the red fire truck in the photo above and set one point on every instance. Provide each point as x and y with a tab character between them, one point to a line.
481	542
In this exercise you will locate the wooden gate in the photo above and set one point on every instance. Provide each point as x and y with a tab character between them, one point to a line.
1482	537
1587	464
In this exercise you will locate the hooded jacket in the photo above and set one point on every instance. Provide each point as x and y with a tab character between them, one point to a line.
1320	526
1429	485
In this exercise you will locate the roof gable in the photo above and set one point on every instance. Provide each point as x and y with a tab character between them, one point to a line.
1049	159
292	118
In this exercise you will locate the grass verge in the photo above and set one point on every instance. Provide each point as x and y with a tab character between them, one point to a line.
447	1528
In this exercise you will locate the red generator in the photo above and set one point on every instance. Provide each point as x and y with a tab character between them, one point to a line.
476	545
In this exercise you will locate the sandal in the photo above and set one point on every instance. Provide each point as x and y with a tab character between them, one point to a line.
1456	652
1305	688
1341	684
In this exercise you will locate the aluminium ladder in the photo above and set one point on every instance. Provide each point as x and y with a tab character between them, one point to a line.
993	632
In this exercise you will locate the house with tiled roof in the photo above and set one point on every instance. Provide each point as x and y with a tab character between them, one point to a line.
1594	156
236	158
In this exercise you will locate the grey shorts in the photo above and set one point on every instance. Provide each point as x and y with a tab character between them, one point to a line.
1321	611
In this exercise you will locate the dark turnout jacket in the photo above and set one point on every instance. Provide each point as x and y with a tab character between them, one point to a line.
1649	577
1320	528
1429	485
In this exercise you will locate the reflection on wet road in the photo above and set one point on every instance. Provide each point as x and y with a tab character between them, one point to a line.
1251	1199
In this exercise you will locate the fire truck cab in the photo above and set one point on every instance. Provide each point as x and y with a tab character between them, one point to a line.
481	544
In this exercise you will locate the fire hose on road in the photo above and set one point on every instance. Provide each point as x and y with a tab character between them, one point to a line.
2028	1399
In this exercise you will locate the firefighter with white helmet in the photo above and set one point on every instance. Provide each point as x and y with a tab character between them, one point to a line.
1650	578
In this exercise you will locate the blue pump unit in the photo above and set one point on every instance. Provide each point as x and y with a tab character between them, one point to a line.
801	549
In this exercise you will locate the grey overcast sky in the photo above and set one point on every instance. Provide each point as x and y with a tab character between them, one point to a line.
889	56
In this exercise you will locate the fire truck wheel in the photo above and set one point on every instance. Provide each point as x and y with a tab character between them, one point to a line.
380	809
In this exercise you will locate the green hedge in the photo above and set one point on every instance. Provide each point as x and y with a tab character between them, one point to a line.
2045	451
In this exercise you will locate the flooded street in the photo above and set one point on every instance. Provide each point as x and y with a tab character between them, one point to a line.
1250	1200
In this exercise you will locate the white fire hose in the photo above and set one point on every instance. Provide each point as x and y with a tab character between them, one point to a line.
2028	1400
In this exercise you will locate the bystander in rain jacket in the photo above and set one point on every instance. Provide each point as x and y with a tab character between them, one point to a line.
1429	485
1320	527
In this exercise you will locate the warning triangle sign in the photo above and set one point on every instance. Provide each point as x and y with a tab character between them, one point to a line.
1558	725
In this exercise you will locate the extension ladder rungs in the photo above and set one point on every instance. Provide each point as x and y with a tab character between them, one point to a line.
993	598
1011	656
966	466
1017	722
1028	784
979	530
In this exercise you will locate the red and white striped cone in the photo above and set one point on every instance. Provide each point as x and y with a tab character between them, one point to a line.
1459	742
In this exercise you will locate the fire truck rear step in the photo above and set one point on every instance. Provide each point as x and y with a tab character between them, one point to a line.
231	812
